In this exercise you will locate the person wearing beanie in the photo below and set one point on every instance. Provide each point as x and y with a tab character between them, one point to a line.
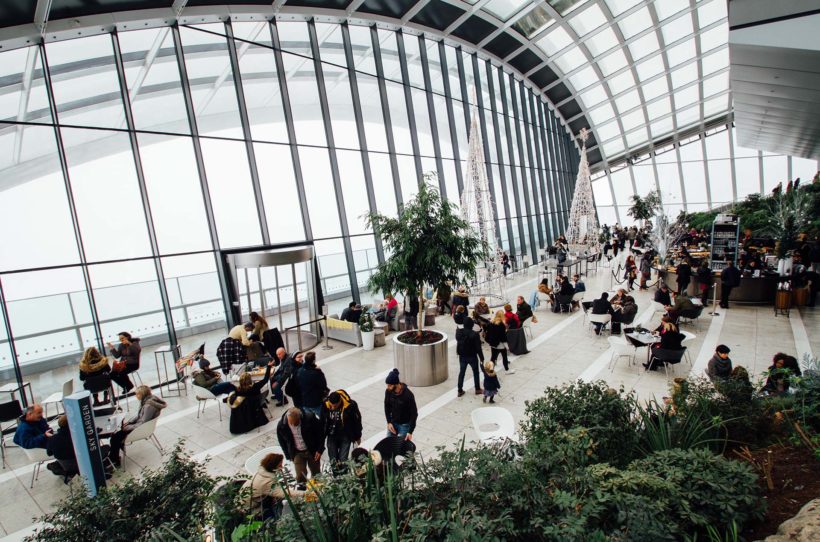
468	348
211	380
720	366
399	407
491	383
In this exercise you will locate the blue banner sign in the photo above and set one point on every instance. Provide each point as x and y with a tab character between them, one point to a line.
86	442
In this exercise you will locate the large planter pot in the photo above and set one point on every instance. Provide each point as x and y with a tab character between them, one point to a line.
421	364
368	340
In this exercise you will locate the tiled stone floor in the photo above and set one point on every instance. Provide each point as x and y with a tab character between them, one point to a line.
562	350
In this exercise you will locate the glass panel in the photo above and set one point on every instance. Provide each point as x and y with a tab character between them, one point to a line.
320	192
713	62
594	96
619	6
687	96
720	173
390	55
50	318
621	82
196	298
644	46
304	100
412	54
278	184
614	147
607	131
407	176
659	108
294	38
152	74
644	175
340	104
365	261
600	190
209	72
637	137
685	75
434	64
716	84
570	60
670	183
443	126
676	29
174	192
687	116
533	22
588	20
613	62
398	117
371	103
423	131
694	176
714	106
601	42
714	38
681	53
86	96
747	173
332	267
383	184
633	120
27	239
354	190
804	169
601	114
583	78
106	195
504	9
362	47
23	97
557	39
263	97
622	186
636	23
650	68
656	88
711	12
628	101
667	8
232	198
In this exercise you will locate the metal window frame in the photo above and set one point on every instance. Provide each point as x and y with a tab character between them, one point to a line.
431	115
523	145
511	157
451	118
334	161
411	111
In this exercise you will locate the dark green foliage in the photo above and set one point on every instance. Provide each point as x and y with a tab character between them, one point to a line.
663	429
607	415
172	498
644	208
708	489
807	395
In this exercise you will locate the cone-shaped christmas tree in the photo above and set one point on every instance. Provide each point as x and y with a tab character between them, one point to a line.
582	233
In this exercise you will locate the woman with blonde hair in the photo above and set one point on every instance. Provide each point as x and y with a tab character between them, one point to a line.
94	364
495	333
150	407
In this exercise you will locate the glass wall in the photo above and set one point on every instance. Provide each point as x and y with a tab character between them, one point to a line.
702	172
131	159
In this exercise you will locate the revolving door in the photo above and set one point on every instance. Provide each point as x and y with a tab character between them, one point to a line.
279	284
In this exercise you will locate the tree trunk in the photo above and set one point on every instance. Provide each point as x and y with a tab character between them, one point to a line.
420	315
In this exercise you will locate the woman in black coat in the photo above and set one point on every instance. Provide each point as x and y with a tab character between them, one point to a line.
495	333
246	404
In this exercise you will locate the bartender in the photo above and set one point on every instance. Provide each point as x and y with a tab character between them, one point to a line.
746	240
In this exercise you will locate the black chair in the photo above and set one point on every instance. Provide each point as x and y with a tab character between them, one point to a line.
563	303
690	316
10	411
667	357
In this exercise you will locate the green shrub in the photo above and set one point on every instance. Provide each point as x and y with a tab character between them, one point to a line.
807	394
709	490
606	413
172	498
662	429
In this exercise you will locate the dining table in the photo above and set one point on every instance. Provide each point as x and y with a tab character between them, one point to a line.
640	339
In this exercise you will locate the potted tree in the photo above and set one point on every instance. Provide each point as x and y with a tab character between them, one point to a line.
643	209
367	331
429	244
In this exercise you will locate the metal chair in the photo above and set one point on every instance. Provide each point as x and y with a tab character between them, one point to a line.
667	357
602	319
620	348
143	432
203	395
689	337
690	316
38	456
9	412
57	398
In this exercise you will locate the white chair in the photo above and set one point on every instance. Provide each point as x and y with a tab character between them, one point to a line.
689	337
527	325
68	389
203	395
658	307
577	299
602	319
143	432
493	424
37	456
252	463
620	348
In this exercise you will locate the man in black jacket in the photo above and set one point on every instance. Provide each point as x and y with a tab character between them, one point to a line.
662	296
468	348
284	370
303	441
601	306
399	407
524	311
729	278
342	424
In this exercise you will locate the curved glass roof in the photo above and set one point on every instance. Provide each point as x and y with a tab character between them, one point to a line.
633	71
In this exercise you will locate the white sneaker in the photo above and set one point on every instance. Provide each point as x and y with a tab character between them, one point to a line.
510	372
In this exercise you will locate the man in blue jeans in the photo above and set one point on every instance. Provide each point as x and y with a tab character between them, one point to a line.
399	407
468	348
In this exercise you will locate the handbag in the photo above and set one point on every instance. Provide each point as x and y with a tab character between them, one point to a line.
118	366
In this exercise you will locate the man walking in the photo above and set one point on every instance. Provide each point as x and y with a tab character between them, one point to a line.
399	407
468	348
342	424
302	440
729	278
